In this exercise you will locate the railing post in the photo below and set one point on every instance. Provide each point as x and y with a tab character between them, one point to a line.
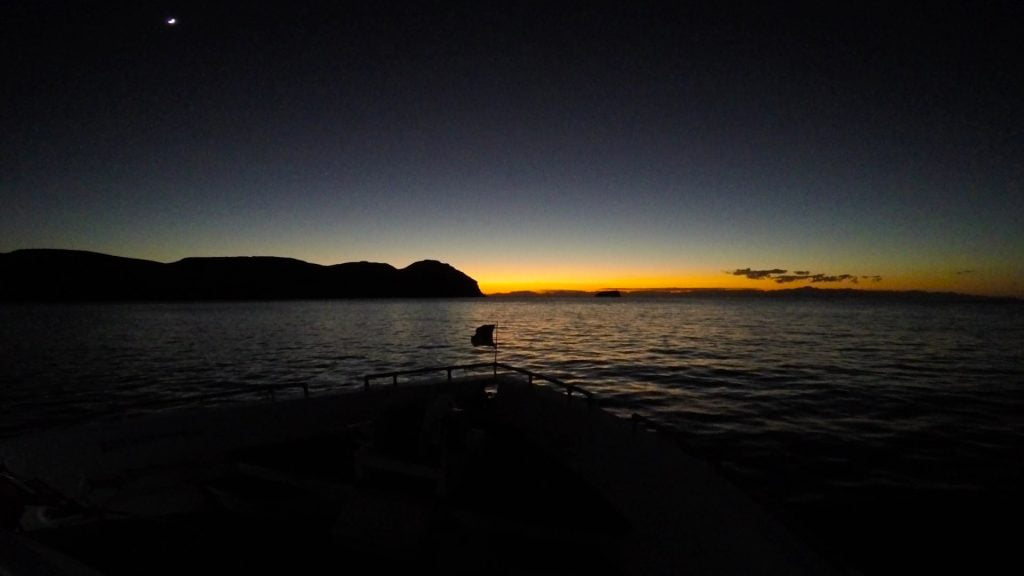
305	389
394	379
366	383
568	394
449	374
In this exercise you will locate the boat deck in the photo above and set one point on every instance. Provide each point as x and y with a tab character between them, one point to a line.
460	475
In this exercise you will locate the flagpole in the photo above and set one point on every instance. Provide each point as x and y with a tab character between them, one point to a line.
495	349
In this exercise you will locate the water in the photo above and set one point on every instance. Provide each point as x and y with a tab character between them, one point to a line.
888	434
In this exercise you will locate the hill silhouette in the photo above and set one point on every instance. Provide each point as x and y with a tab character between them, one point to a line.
72	275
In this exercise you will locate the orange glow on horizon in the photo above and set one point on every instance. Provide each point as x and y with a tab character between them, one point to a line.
498	282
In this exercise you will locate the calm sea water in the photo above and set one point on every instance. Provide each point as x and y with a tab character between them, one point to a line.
889	434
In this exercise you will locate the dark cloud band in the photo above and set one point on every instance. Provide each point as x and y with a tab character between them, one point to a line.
780	276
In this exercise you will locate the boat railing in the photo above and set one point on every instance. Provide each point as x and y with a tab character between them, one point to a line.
638	422
570	389
393	376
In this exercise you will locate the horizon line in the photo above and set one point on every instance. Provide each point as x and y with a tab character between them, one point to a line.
678	291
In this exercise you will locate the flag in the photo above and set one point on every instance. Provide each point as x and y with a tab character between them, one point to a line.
484	336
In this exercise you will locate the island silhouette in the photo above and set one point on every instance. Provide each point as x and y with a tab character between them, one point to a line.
56	275
74	275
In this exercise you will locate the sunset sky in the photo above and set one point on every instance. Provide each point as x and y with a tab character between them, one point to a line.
532	145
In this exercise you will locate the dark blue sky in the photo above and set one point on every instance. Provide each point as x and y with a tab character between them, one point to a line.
530	145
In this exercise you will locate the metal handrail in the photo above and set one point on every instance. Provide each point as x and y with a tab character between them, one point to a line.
570	389
394	375
638	421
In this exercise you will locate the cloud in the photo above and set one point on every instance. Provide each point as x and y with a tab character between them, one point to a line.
787	278
835	278
780	276
757	274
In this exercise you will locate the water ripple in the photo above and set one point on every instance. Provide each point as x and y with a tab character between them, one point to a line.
805	401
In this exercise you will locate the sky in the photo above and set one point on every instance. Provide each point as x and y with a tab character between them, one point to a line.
532	145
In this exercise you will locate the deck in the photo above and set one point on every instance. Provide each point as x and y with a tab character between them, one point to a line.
499	469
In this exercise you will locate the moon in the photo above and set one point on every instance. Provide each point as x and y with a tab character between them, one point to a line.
172	21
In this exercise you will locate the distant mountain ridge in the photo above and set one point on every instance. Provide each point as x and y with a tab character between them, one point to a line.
73	275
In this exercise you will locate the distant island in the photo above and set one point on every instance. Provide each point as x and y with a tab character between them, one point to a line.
609	294
803	293
75	276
